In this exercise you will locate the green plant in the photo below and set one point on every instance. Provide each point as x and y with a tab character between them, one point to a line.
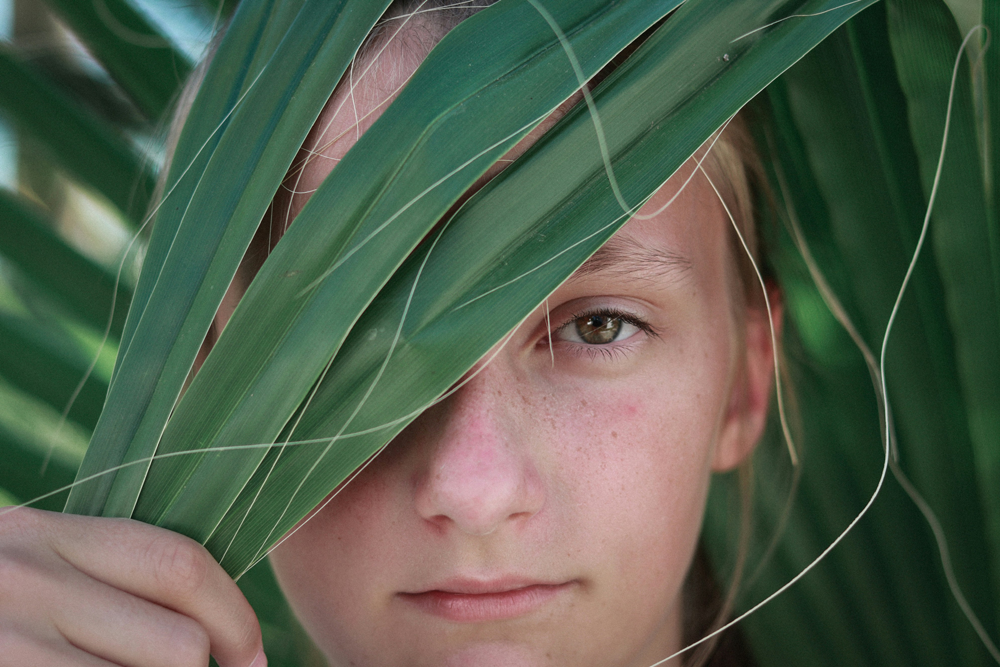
852	134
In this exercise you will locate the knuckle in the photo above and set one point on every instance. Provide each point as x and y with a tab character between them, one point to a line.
30	584
20	522
189	643
17	649
180	565
25	642
19	572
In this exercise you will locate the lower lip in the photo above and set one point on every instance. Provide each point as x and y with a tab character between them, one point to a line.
478	607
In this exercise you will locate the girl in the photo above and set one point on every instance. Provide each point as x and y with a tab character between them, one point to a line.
547	512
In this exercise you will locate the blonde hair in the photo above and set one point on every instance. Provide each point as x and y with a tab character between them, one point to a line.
735	168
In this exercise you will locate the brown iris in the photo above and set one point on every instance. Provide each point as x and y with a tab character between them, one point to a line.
598	329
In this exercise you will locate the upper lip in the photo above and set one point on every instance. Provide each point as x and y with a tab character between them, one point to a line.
483	586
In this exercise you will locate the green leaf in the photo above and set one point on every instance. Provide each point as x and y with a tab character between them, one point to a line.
270	93
248	45
872	189
137	55
49	364
967	250
991	148
86	147
76	282
22	476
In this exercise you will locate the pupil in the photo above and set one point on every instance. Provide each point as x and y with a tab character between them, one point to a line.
598	329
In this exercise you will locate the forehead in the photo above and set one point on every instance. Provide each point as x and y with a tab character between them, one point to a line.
680	229
678	235
370	84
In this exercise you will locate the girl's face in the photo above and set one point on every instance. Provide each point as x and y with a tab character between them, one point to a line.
546	513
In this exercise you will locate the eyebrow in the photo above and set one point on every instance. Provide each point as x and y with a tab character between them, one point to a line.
623	256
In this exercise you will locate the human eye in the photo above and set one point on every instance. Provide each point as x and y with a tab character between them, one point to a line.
602	327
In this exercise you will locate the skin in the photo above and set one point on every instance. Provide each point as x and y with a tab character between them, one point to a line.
559	491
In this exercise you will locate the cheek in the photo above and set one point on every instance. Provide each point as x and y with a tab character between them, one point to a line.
634	467
337	559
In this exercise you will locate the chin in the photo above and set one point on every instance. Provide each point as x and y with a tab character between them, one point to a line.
495	654
487	653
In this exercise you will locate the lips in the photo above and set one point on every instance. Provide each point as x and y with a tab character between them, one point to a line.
476	601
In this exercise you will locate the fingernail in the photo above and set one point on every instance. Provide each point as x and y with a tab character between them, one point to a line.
260	660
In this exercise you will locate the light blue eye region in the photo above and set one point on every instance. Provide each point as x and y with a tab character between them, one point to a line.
597	329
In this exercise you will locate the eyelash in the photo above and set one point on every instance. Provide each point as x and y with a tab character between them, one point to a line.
609	351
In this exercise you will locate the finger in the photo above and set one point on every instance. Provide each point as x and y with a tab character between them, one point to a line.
165	568
128	630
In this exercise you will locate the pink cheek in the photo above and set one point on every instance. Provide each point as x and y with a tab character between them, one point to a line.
352	519
600	443
624	417
627	417
631	410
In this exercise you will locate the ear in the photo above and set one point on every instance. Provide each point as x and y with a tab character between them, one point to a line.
751	391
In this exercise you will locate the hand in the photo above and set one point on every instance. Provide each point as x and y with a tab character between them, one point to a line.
100	592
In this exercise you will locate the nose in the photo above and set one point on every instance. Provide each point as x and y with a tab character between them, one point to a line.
481	471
